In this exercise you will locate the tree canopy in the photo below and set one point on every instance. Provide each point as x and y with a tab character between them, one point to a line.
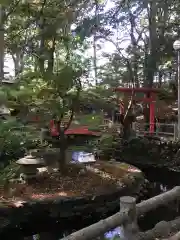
51	45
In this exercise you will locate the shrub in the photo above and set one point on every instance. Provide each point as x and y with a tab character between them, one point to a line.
9	172
149	151
15	140
104	146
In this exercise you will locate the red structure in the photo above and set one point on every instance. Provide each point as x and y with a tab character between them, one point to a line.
53	129
81	130
151	100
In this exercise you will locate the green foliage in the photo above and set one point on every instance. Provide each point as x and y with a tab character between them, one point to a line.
146	151
46	96
166	95
15	140
104	146
50	63
75	148
105	142
90	120
48	67
11	171
98	98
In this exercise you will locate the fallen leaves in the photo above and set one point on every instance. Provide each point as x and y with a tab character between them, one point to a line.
74	183
78	181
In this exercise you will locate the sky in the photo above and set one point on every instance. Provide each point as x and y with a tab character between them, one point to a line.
9	65
107	47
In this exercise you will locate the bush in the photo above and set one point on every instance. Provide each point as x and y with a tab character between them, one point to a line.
144	150
104	146
11	171
15	140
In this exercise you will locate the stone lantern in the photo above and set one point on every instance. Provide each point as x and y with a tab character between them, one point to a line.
29	166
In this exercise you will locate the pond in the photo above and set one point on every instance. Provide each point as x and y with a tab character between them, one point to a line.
145	222
160	180
64	215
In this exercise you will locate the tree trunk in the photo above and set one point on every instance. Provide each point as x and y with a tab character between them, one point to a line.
160	78
18	62
134	43
95	42
62	157
1	43
151	58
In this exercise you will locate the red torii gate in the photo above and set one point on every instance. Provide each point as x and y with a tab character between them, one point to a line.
152	92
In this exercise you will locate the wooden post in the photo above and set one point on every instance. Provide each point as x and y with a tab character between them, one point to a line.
129	228
120	218
152	114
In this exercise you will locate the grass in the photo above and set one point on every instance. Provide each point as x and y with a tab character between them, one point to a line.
91	120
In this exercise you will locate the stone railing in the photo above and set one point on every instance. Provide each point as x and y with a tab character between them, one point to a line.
127	219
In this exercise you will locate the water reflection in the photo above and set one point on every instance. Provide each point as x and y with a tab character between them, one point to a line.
117	232
113	234
160	187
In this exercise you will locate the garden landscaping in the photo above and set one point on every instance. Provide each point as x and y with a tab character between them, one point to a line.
97	178
144	151
88	192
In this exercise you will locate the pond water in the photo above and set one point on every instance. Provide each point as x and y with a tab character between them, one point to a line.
109	235
145	222
159	181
